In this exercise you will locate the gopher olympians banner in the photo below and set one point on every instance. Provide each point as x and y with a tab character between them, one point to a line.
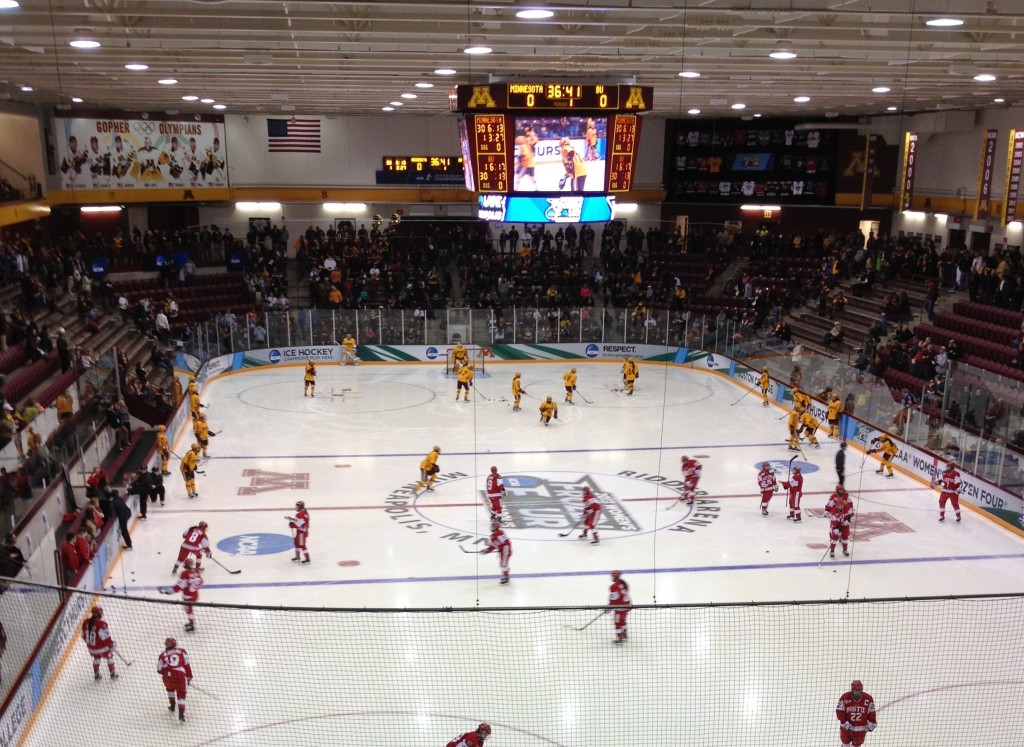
1014	157
983	205
123	153
908	171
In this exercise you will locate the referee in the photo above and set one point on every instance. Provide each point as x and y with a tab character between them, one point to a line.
841	463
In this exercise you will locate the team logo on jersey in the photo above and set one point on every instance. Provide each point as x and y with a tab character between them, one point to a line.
538	502
781	466
263	481
867	526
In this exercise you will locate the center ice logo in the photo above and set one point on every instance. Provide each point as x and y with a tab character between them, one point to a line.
536	502
781	466
256	543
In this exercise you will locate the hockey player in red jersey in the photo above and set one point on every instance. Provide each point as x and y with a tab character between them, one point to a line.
300	523
194	542
501	544
591	515
839	512
472	738
619	601
188	586
96	634
690	468
495	489
795	486
950	484
176	670
767	484
856	714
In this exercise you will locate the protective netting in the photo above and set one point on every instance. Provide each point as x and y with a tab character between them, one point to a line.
942	671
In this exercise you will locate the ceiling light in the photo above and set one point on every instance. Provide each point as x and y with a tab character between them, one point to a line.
984	77
998	101
256	207
84	44
801	99
76	100
689	74
397	103
344	207
534	14
136	66
478	50
760	207
100	209
880	89
424	85
757	116
168	81
206	101
408	95
220	106
190	97
944	23
445	71
739	106
387	108
782	53
693	111
891	108
27	89
8	4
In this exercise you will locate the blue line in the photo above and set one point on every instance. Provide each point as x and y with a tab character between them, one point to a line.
576	574
473	453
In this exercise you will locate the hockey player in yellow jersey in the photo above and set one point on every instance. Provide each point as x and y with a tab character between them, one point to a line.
348	354
801	400
309	381
569	377
194	405
793	423
548	409
809	427
517	392
889	450
465	381
459	357
193	388
765	382
202	431
835	409
189	462
163	448
429	470
630	373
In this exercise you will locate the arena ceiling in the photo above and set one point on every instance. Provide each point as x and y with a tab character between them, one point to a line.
357	57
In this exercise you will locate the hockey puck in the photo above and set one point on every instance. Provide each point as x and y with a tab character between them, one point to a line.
345	563
342	466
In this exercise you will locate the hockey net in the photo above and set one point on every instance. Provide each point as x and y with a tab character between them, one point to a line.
766	674
476	354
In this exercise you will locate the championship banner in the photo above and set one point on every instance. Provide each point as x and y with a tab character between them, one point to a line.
1011	193
870	156
119	153
908	171
983	205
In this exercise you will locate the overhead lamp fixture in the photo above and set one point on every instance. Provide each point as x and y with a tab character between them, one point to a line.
190	97
534	14
256	207
445	71
9	4
880	89
100	209
478	49
27	89
689	74
998	101
84	43
760	207
739	106
801	99
76	100
944	23
782	52
136	66
757	116
422	84
206	101
409	95
387	108
220	106
891	108
397	103
693	111
344	207
984	77
168	81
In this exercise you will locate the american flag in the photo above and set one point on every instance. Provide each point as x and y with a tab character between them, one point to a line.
293	135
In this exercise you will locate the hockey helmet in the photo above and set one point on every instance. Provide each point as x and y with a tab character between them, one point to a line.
97	611
764	368
495	524
203	525
765	465
516	375
154	469
549	398
856	686
572	370
189	563
949	467
494	470
437	449
616	574
311	361
195	447
796	468
170	643
301	505
192	377
683	458
200	416
840	488
843	445
161	428
484	730
586	490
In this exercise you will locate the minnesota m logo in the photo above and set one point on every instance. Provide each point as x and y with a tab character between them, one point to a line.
262	481
857	164
636	99
481	98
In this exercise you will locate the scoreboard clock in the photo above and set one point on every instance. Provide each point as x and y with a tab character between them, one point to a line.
441	170
547	97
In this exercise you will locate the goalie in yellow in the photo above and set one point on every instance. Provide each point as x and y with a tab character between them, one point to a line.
460	357
348	353
309	382
569	377
465	381
548	408
630	373
429	470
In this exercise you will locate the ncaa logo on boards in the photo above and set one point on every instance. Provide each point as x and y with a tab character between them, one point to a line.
593	350
431	353
712	363
255	544
781	466
275	356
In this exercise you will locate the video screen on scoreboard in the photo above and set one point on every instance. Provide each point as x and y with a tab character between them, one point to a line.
467	158
560	154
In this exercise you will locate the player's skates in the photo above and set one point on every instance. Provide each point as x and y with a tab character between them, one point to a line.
190	627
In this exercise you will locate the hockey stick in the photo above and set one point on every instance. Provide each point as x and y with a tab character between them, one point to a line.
783	415
483	396
827	550
573	528
233	573
207	693
119	656
581	396
471	552
741	398
605	612
789	475
200	472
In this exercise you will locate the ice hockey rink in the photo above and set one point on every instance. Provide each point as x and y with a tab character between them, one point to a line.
352	454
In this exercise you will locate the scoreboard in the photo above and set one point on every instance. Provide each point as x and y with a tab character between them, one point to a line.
548	139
